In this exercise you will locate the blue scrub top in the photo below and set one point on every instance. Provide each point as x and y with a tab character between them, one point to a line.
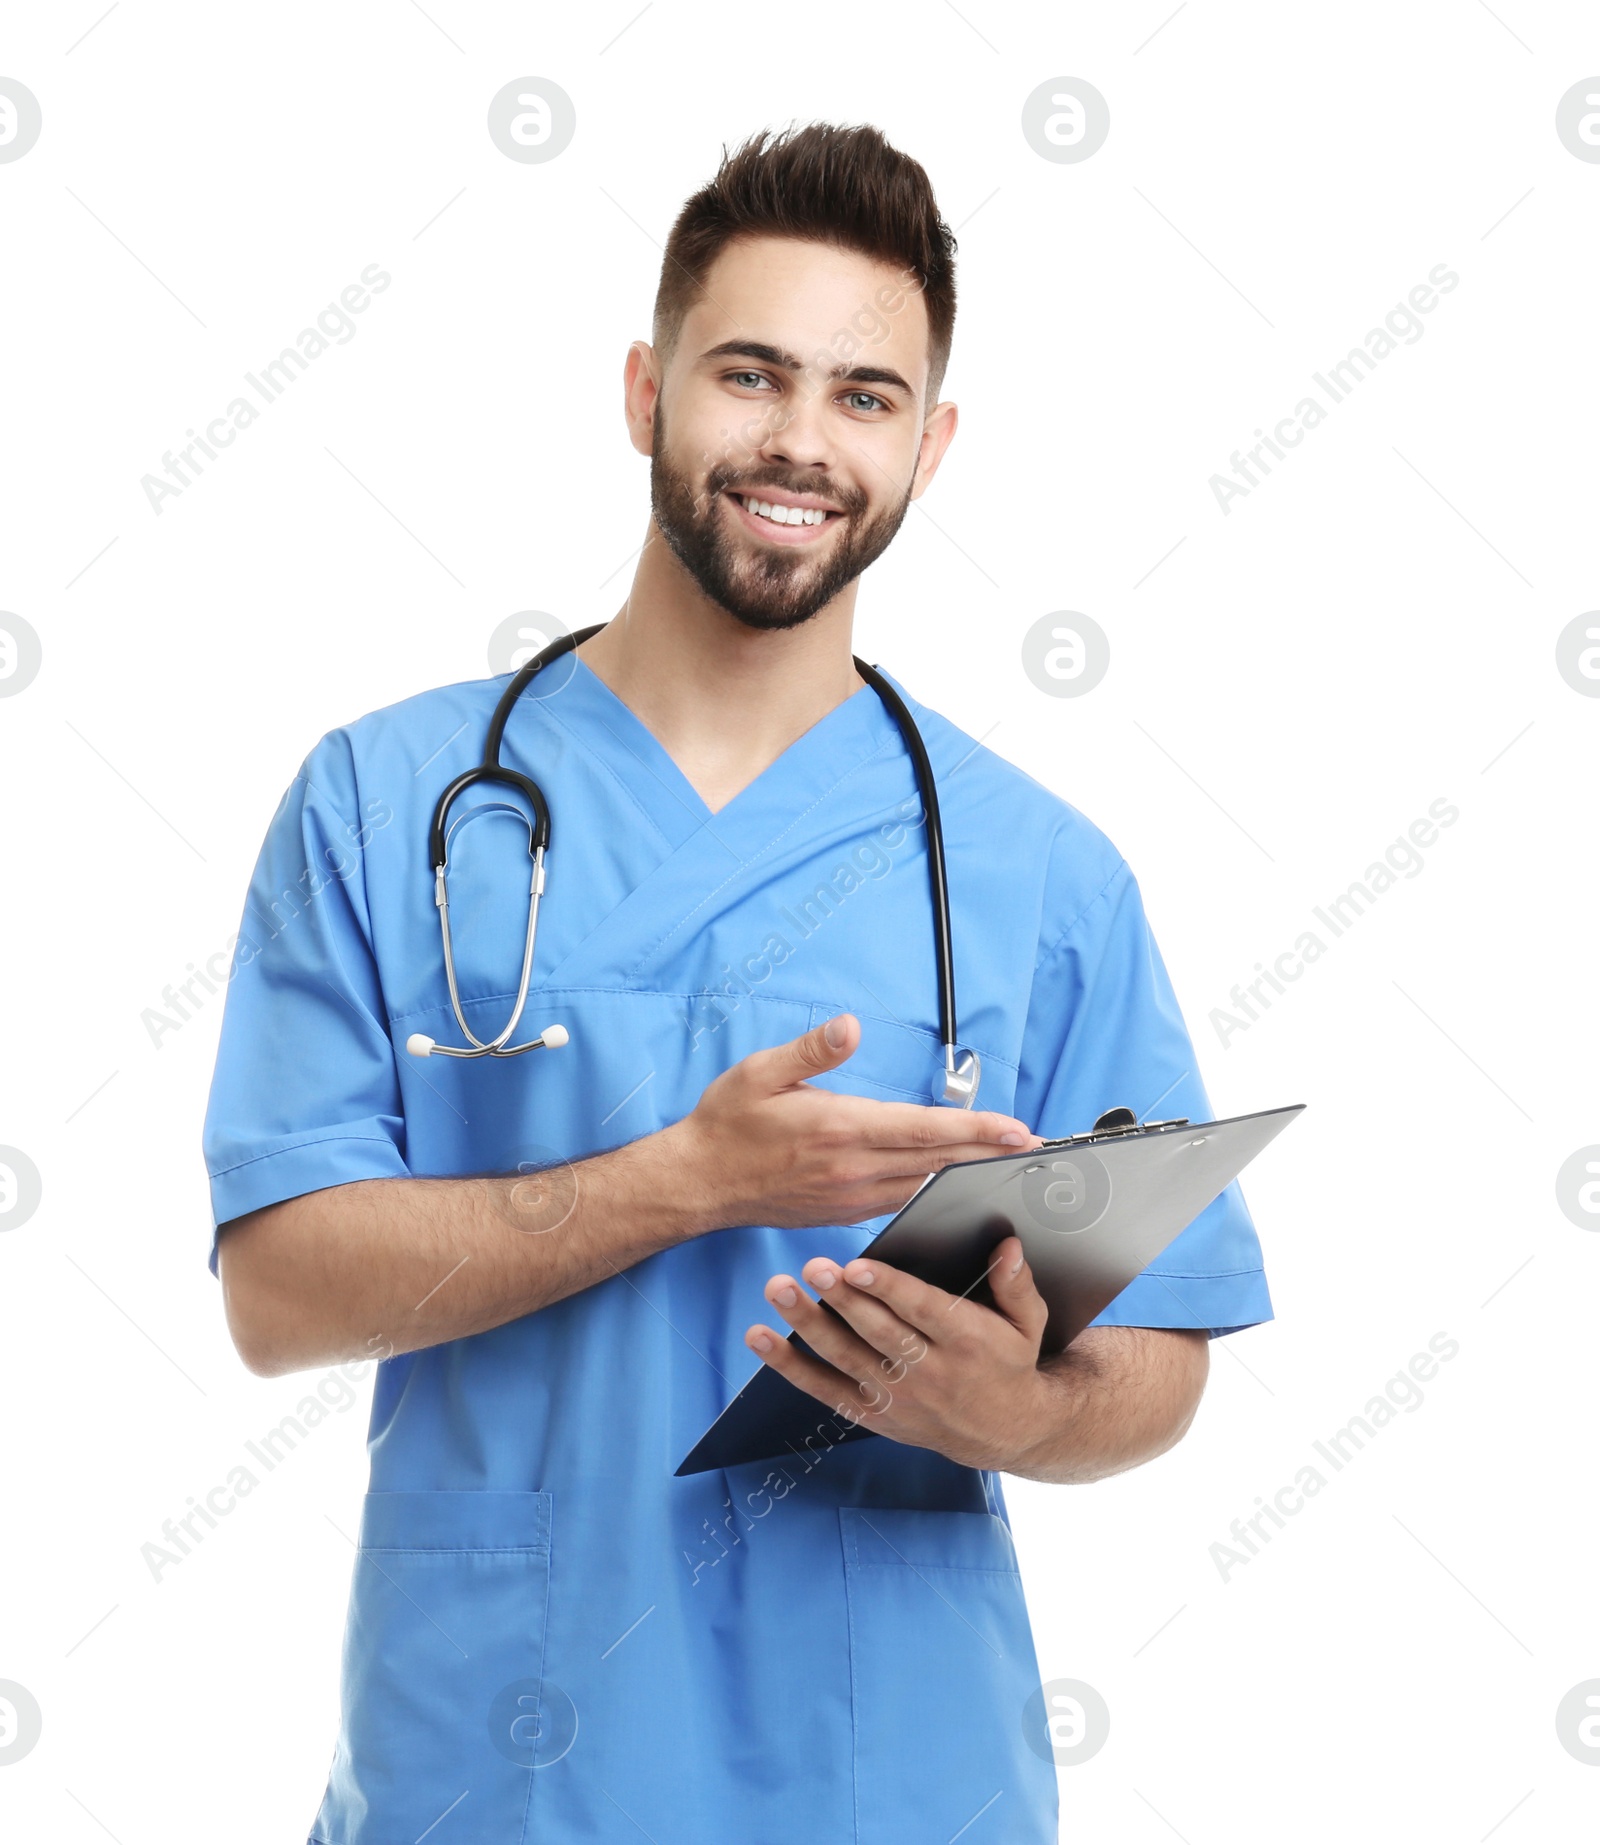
550	1636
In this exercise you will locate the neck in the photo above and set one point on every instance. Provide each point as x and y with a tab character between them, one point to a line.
724	701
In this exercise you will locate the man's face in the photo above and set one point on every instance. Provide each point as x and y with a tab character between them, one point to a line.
797	388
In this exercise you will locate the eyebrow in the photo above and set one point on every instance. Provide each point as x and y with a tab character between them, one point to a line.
786	361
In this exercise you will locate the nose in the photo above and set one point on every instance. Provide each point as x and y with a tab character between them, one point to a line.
795	434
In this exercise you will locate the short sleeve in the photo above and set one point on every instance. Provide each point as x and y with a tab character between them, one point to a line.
305	1093
1104	1031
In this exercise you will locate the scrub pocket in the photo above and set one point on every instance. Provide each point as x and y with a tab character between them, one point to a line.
901	1063
941	1669
893	1063
446	1632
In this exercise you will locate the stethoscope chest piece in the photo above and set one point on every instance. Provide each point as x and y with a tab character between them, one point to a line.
957	1082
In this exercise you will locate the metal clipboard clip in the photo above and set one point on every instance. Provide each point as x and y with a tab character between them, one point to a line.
1115	1124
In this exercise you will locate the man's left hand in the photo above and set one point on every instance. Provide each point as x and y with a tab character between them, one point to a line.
910	1361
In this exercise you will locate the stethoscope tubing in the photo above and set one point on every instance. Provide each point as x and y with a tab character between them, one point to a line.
938	878
491	769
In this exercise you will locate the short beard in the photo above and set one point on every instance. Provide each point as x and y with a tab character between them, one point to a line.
767	590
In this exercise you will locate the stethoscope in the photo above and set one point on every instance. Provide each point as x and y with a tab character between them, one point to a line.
958	1083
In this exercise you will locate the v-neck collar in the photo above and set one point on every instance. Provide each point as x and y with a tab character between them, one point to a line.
857	727
710	858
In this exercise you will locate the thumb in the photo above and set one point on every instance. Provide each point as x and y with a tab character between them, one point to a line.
824	1047
1012	1287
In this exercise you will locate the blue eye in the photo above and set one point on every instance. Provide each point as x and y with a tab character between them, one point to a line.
863	400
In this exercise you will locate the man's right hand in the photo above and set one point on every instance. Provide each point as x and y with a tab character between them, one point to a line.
764	1146
398	1264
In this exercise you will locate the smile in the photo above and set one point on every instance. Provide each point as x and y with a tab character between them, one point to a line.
783	521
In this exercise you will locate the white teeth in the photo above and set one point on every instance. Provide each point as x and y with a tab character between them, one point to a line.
786	515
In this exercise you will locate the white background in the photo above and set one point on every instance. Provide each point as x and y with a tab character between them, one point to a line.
1372	629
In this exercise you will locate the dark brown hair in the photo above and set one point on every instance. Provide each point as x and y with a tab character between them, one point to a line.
823	184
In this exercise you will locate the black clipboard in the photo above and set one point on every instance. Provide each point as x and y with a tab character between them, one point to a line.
1093	1211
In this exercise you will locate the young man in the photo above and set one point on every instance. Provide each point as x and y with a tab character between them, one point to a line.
560	1255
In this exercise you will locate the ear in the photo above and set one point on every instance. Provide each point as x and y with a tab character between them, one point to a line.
938	431
641	391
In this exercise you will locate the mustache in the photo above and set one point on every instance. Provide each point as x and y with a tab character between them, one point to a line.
851	501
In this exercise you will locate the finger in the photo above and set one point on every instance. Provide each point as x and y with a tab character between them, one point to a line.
899	1125
914	1166
1012	1288
847	1398
827	1335
872	1319
919	1304
813	1053
875	1193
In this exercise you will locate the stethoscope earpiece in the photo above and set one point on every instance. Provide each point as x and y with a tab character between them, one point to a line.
419	1044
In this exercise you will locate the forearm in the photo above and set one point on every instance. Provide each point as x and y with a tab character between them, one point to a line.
382	1266
1114	1399
392	1265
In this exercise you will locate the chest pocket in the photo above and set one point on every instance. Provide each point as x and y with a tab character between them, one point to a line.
893	1062
901	1063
